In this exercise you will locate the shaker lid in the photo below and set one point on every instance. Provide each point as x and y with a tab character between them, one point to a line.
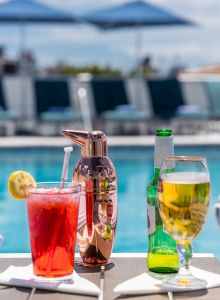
93	143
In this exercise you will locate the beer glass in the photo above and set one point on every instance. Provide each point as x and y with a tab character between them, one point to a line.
184	195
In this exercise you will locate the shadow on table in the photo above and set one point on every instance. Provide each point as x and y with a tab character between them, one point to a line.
183	295
79	268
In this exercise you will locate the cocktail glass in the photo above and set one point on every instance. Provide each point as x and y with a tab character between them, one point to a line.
53	217
184	195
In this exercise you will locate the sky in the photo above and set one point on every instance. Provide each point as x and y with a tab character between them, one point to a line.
190	46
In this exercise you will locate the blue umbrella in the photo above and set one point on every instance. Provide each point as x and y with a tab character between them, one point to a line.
137	13
30	11
133	14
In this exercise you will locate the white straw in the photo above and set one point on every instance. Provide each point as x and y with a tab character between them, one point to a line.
65	170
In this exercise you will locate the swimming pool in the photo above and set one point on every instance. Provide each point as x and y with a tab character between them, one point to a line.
134	167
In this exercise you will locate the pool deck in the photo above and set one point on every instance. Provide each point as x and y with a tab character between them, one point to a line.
123	266
39	141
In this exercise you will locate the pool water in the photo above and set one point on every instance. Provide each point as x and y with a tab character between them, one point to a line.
134	168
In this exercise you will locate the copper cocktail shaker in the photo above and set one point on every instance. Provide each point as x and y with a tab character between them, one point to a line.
98	203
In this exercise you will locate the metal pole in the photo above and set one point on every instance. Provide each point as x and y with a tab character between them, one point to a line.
22	45
138	46
22	70
84	107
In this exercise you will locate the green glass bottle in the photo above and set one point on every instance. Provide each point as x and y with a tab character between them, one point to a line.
162	254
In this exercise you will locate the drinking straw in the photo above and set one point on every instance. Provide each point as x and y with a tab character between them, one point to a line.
64	177
65	170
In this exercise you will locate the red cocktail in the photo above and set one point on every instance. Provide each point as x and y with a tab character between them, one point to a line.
53	217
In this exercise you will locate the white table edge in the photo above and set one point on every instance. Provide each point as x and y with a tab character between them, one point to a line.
114	254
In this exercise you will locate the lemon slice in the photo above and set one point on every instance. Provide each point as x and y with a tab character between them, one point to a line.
18	183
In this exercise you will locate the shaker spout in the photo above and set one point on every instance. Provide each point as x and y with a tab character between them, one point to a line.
77	136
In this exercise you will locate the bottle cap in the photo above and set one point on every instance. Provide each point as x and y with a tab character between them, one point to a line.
163	132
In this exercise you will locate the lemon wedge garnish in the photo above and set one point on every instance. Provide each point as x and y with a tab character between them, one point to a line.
18	183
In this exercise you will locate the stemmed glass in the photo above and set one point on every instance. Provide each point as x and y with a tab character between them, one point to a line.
184	194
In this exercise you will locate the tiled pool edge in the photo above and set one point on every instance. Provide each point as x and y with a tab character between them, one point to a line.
35	141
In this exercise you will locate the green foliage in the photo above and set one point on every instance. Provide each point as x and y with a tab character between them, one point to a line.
94	70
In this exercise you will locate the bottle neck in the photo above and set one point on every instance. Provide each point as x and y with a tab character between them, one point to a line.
163	147
94	148
156	172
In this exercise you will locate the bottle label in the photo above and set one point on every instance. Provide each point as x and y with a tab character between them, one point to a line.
163	147
151	219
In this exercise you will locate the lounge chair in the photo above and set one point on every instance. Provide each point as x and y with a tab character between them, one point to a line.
194	93
194	116
166	97
19	96
116	113
172	107
139	95
54	107
213	92
8	119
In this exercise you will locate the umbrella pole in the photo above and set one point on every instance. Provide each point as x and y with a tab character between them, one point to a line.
21	66
22	46
138	48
